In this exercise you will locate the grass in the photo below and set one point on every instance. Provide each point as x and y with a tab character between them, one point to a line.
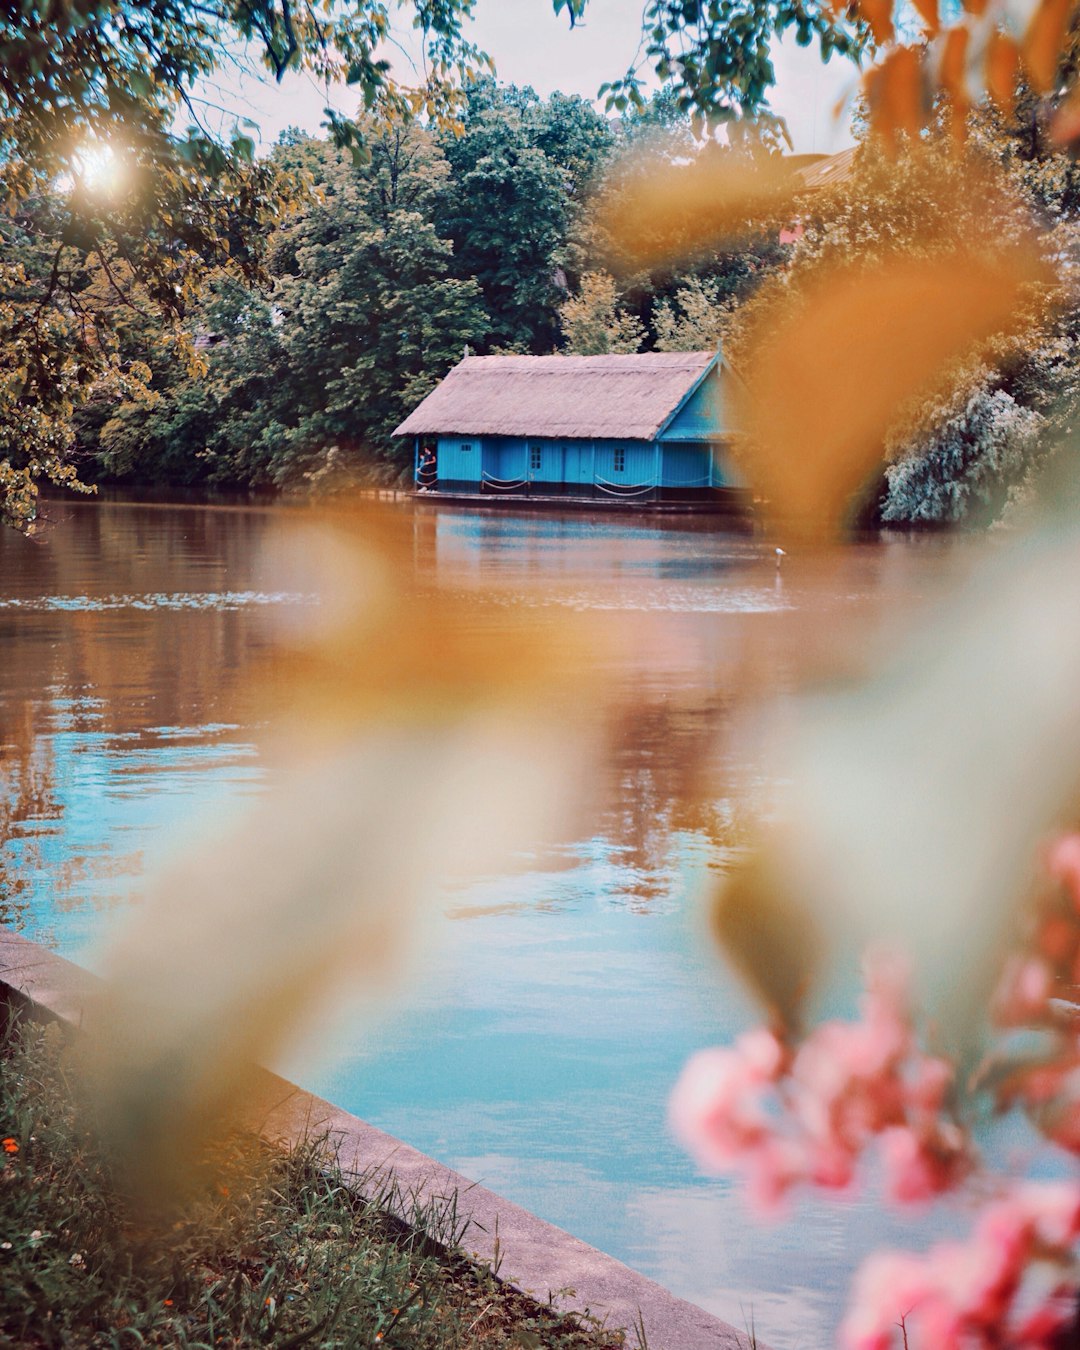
278	1252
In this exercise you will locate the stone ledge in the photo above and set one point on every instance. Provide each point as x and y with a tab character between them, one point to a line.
528	1253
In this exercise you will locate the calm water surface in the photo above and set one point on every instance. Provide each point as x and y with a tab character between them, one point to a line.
535	1050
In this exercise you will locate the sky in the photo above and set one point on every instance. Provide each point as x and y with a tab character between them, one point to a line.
531	46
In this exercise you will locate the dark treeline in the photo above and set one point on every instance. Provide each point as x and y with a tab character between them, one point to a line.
399	255
393	263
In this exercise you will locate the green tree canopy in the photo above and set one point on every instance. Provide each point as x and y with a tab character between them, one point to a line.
99	113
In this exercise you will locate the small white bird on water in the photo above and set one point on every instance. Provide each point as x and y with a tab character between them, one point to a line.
780	556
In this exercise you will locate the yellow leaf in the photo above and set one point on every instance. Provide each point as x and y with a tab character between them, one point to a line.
828	370
770	938
916	803
419	741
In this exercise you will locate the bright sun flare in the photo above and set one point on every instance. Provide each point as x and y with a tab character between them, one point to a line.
99	168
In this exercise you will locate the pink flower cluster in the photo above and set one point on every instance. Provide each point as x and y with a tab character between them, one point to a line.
1039	989
783	1116
970	1295
1049	964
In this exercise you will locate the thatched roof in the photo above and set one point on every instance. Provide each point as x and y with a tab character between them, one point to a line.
576	397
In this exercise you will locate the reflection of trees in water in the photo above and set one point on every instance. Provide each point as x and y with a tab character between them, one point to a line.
117	678
668	776
27	795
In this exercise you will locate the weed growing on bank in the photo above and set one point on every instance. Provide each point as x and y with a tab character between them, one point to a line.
278	1252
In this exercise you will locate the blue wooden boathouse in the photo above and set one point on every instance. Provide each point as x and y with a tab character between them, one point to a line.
648	430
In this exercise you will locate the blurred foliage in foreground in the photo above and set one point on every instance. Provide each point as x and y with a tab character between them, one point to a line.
912	809
426	740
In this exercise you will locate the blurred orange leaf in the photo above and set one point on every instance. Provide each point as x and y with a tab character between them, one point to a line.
668	213
1065	127
828	371
951	76
1002	70
384	647
928	12
896	94
422	733
1044	41
878	14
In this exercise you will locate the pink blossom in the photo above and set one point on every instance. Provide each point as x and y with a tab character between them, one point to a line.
889	1285
1063	864
963	1294
783	1119
1060	1119
1023	992
1041	1329
1053	1208
928	1084
1057	939
919	1166
718	1107
776	1165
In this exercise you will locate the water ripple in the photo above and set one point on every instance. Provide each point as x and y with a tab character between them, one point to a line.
217	600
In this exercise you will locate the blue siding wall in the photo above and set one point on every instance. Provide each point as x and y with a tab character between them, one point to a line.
510	462
687	466
507	461
459	458
578	462
638	459
704	416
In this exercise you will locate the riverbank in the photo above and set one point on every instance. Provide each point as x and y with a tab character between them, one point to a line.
278	1250
579	1290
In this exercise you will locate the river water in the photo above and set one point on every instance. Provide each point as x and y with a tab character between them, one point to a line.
535	1047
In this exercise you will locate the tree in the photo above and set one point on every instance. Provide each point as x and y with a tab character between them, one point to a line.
716	58
373	328
964	467
362	319
506	209
370	313
975	429
694	320
595	324
89	96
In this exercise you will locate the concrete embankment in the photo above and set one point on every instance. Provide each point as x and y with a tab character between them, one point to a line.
534	1256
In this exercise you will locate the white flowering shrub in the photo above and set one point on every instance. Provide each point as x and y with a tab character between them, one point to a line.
963	468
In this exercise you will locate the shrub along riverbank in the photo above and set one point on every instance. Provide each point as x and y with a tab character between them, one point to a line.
278	1251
